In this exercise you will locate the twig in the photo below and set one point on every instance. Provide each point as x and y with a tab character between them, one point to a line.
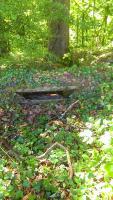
7	154
101	161
7	146
56	144
68	109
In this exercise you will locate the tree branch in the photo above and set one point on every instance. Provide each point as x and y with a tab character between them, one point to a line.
56	144
68	109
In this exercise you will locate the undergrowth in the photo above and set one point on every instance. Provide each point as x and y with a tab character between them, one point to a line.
87	133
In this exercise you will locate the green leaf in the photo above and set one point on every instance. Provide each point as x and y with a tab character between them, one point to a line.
26	184
32	197
37	186
109	169
19	194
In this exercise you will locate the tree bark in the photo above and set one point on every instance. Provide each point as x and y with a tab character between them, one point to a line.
59	29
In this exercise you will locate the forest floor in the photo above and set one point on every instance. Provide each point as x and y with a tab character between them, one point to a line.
81	165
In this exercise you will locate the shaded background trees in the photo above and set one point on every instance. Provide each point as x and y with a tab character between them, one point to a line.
30	27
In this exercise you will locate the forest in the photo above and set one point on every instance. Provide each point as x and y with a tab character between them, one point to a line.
56	100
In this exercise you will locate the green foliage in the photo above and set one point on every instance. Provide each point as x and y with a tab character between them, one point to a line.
26	27
87	132
89	20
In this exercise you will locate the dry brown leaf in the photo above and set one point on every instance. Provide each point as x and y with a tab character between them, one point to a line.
56	122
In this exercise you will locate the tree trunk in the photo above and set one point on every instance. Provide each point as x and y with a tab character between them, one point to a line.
83	26
105	25
59	29
77	30
4	42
